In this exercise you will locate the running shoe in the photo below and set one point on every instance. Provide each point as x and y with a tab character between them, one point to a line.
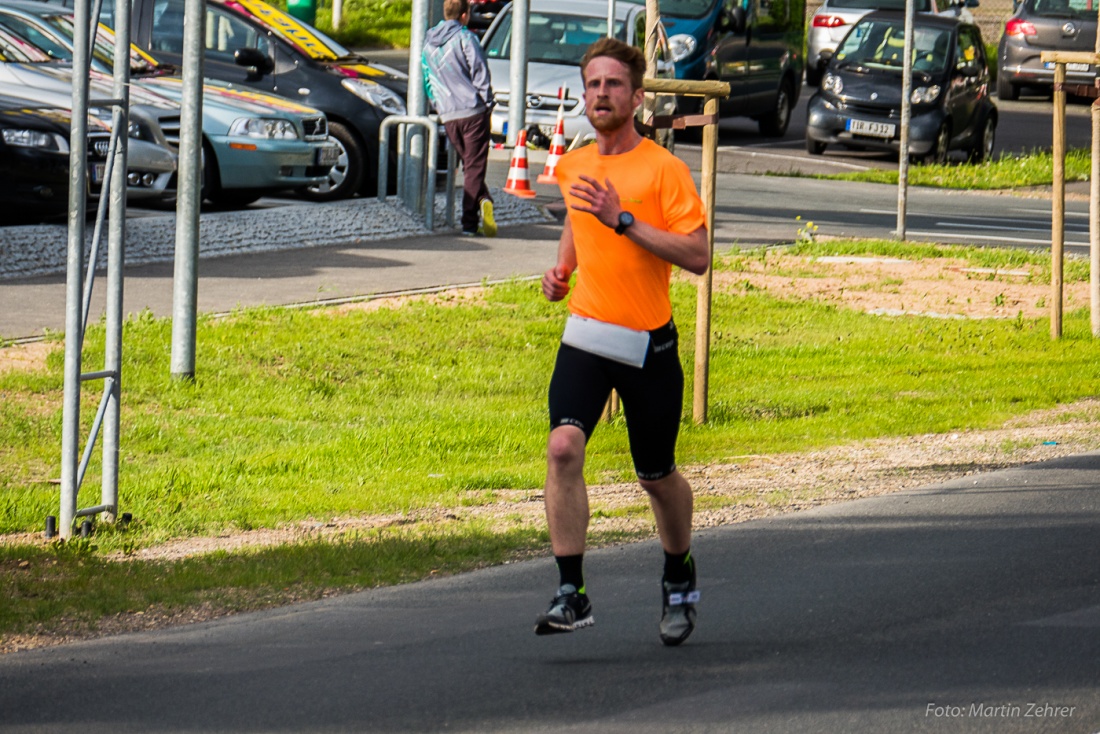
678	613
488	223
570	610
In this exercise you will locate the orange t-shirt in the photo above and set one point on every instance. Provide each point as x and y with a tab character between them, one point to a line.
618	281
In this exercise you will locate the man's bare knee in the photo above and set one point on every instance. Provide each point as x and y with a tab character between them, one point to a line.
565	448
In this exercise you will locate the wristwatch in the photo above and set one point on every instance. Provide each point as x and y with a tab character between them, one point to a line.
625	220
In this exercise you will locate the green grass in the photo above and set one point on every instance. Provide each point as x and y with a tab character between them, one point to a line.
366	23
1007	172
298	415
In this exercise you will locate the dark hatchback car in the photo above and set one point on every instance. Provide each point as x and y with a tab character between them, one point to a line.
34	162
483	13
859	103
1044	25
250	43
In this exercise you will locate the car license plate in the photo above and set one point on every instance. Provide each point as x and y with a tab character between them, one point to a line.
872	129
1079	68
98	169
328	155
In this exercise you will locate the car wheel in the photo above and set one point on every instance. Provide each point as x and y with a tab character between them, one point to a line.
774	124
814	147
211	178
1006	90
346	175
982	150
234	198
938	154
813	76
690	106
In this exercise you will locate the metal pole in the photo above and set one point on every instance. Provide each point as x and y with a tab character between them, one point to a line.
906	113
188	195
74	328
611	20
116	251
337	13
517	80
410	183
703	299
1058	201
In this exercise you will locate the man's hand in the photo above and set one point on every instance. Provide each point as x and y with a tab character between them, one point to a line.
555	283
603	201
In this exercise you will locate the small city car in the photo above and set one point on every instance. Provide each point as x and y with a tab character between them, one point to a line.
1044	25
831	22
859	103
559	32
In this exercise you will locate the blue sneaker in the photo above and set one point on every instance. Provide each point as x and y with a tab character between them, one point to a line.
570	610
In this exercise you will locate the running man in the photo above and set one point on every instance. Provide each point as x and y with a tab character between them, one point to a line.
633	214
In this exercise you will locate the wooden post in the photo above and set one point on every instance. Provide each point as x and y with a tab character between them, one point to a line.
1058	202
1094	221
706	280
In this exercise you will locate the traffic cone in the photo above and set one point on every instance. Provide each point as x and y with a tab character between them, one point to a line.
557	150
519	181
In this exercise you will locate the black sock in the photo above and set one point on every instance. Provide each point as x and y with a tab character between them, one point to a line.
679	567
570	569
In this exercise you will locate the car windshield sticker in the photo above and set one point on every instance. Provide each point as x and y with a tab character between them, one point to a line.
288	28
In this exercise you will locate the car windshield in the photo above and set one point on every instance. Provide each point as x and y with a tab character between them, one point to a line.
691	8
103	50
300	34
1080	9
14	48
921	6
881	44
552	38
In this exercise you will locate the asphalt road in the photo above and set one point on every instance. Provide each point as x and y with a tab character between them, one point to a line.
972	606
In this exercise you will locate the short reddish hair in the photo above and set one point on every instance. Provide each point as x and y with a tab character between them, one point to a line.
624	52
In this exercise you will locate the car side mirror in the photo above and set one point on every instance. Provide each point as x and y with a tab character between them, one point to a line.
253	57
731	21
971	70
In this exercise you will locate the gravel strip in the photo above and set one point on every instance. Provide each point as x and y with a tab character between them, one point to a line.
42	249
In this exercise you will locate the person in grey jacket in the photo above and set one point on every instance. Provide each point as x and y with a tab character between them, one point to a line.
457	81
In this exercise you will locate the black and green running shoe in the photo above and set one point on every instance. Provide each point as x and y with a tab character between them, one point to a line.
570	610
678	610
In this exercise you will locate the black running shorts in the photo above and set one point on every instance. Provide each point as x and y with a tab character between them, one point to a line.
652	398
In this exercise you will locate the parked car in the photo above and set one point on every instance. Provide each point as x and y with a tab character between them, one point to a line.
253	143
151	164
34	162
758	50
559	32
859	103
1044	25
253	45
832	21
483	13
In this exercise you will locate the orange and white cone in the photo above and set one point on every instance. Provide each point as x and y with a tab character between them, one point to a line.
557	150
519	181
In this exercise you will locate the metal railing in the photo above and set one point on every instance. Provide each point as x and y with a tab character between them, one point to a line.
407	168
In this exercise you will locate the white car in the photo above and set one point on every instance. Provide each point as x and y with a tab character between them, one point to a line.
559	32
832	21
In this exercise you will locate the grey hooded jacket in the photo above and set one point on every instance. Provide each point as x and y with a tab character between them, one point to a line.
456	76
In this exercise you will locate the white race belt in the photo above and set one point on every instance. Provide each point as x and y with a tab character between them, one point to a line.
610	341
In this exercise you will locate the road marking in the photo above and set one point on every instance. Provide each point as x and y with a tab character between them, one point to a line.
994	227
797	158
966	236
